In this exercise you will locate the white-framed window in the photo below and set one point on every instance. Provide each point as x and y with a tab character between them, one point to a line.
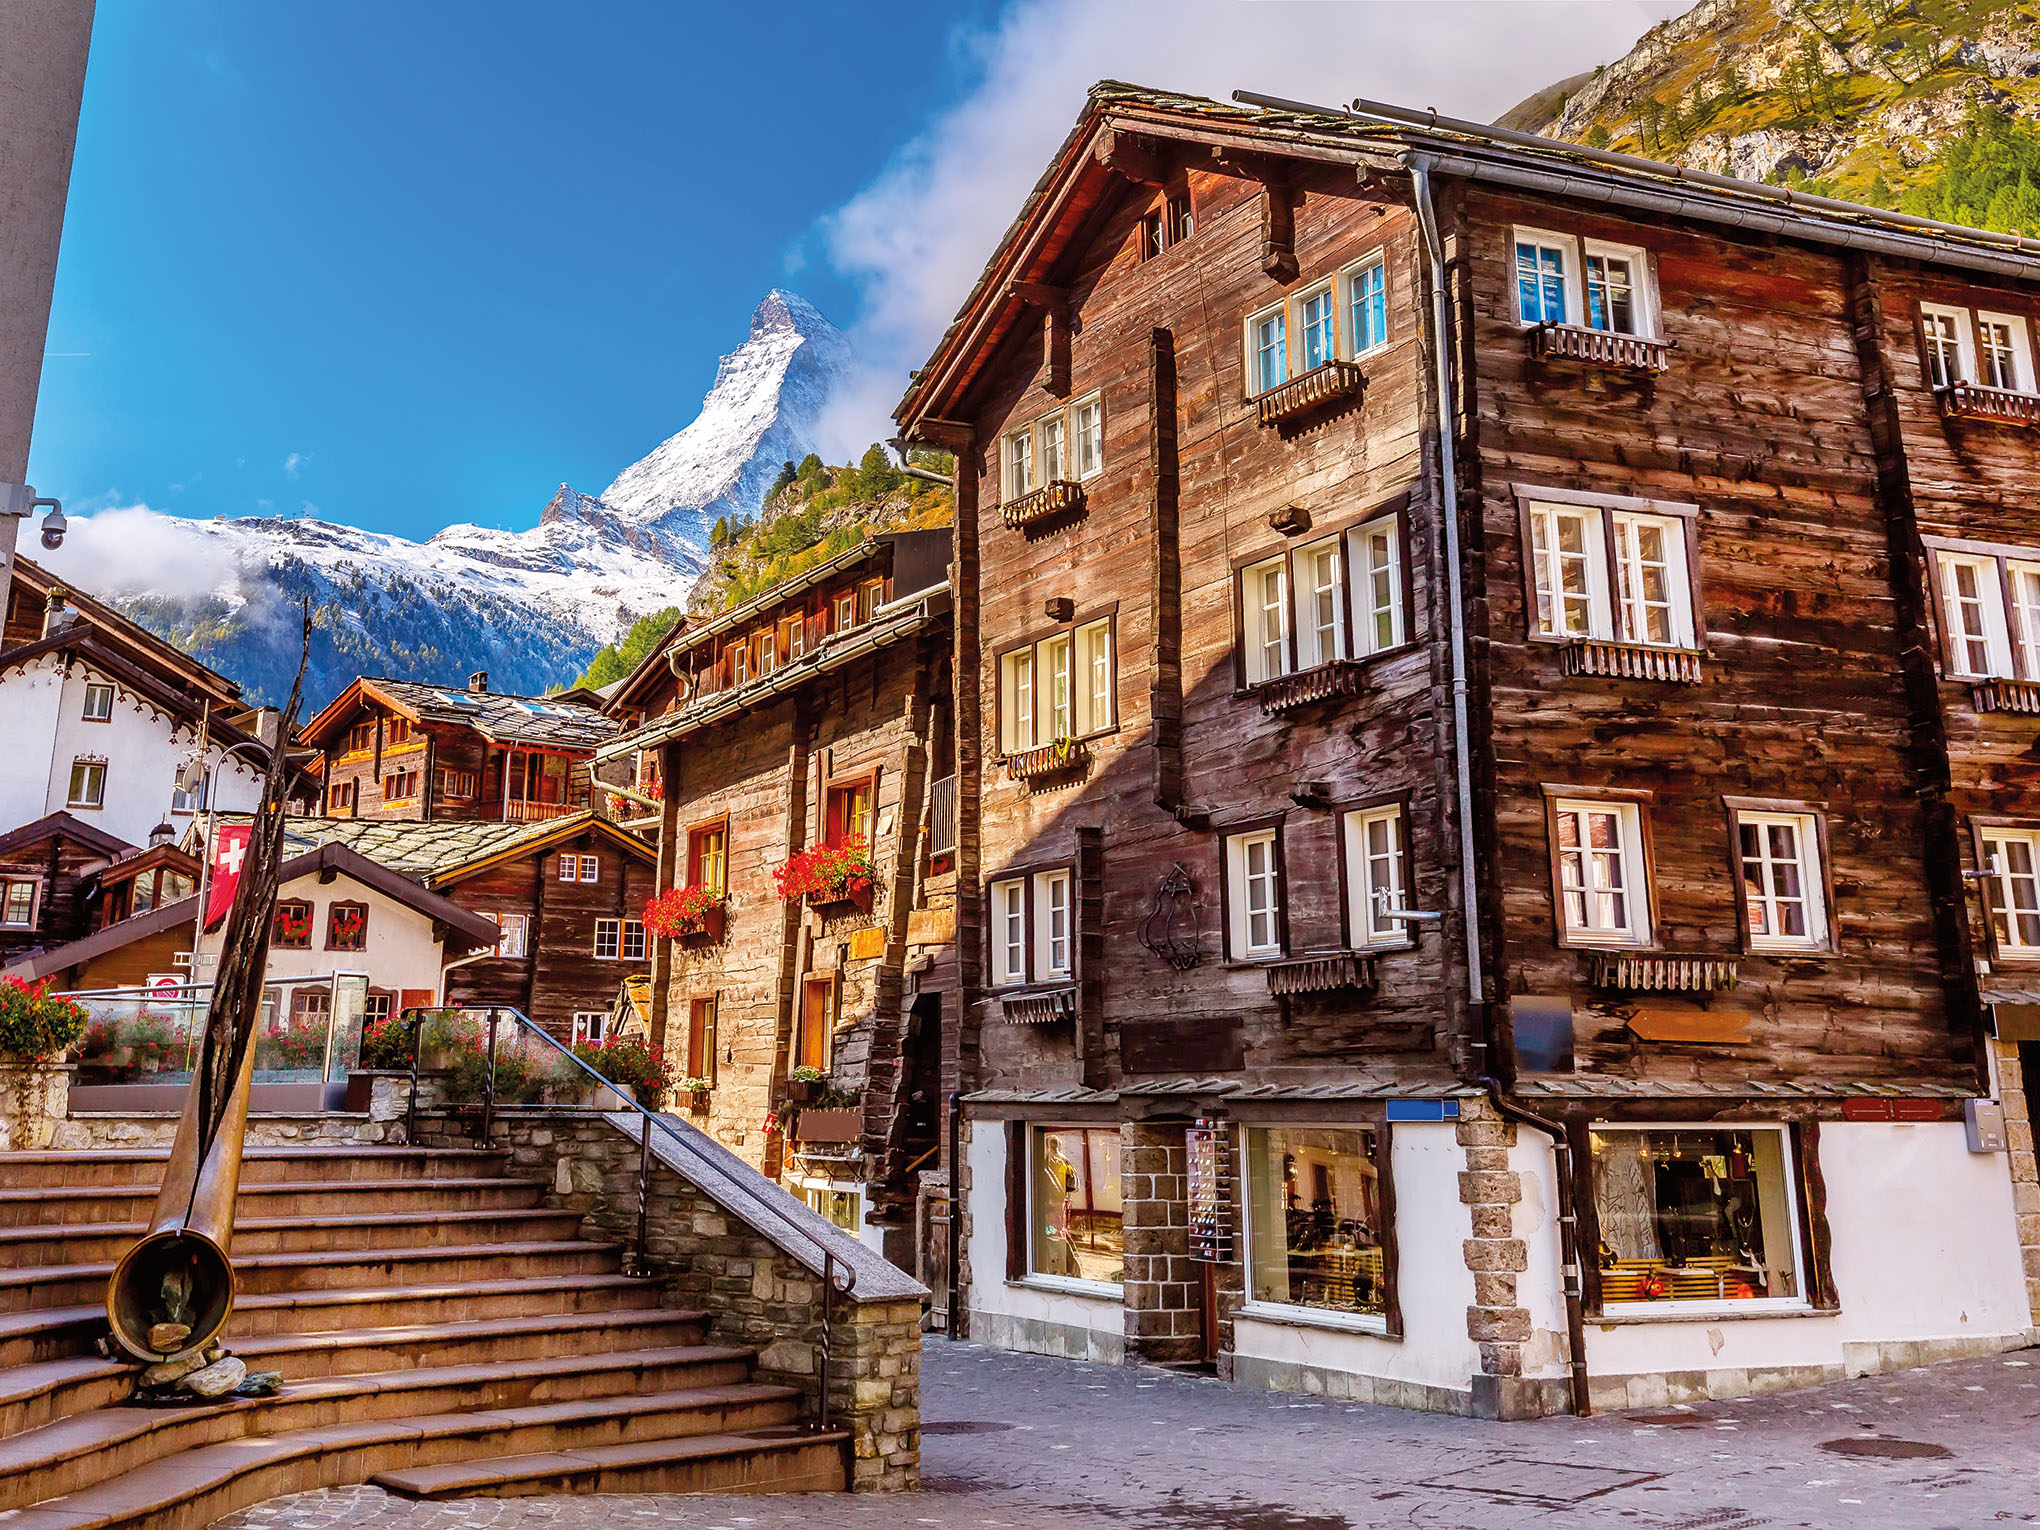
1545	277
1377	875
1317	330
1603	892
516	930
88	783
98	702
1780	879
1032	928
1087	419
1265	594
2011	865
570	867
1072	1212
590	1026
1367	306
18	899
608	939
1268	349
591	868
1019	454
1616	302
1989	609
1696	1216
1321	603
1052	917
1949	337
633	940
1316	1225
1059	686
2004	353
1572	547
1378	584
191	800
1253	867
1052	434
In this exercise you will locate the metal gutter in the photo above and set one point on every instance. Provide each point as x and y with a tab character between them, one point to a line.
831	656
736	616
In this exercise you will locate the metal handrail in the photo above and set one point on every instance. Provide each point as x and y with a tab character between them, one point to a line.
639	1265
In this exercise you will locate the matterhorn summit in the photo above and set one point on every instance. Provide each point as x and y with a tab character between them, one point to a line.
529	606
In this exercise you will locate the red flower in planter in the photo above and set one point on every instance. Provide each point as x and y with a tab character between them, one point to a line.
680	910
825	873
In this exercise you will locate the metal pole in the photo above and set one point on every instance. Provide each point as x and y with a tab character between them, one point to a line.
417	1029
641	1260
489	1091
828	1317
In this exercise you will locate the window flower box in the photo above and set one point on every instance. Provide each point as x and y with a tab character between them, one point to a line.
697	1092
828	1126
806	1086
1341	677
824	875
1632	661
696	914
1599	348
1066	756
1998	406
1059	500
1324	972
1312	391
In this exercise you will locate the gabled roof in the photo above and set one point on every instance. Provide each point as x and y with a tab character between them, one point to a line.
440	853
548	722
1127	123
62	826
136	642
122	664
459	929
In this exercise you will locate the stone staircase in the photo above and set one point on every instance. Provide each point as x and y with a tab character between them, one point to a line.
439	1331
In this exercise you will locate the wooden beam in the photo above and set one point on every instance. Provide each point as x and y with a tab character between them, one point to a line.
945	435
1055	337
1043	295
1165	577
1134	158
1278	230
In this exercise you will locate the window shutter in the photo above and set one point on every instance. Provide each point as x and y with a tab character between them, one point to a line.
1016	1200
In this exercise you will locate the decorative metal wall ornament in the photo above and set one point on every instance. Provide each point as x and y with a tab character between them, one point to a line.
1175	899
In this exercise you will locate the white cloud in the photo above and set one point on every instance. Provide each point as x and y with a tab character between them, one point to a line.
293	463
136	551
915	239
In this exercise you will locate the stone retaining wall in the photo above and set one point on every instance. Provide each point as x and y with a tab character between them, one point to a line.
755	1294
86	1131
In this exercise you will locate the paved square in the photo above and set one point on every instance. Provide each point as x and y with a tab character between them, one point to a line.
1015	1442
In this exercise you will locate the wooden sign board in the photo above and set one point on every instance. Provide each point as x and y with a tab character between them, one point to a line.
867	944
931	927
1716	1027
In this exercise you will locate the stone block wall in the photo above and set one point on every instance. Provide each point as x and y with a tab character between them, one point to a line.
1163	1289
2025	1176
34	1100
90	1130
755	1294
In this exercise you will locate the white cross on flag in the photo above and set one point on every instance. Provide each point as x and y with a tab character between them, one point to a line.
230	849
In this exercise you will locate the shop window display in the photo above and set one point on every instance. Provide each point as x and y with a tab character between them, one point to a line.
1074	1205
1695	1215
1315	1229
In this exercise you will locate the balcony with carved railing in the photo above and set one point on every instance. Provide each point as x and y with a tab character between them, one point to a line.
1310	392
1043	1007
1324	972
1631	661
516	811
1324	682
1639	972
1599	348
1060	500
942	818
1047	762
2021	696
1998	406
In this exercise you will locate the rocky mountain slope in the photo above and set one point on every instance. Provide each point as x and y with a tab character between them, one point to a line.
528	606
1861	98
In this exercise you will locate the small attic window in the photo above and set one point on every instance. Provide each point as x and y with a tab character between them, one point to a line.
1166	226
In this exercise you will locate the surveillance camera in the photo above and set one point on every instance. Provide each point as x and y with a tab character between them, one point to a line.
53	528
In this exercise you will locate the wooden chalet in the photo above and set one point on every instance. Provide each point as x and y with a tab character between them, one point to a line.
567	894
48	873
1496	690
401	750
812	718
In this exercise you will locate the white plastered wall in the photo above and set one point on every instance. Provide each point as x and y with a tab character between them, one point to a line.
402	952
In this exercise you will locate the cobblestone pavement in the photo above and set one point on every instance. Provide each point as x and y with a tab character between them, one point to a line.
1013	1441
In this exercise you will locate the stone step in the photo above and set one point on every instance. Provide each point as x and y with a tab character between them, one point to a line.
143	1167
195	1487
90	1242
109	1203
69	1453
793	1461
37	1392
304	1312
49	1333
384	1268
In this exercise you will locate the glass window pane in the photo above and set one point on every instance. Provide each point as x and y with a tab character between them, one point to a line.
1314	1219
1693	1215
1074	1204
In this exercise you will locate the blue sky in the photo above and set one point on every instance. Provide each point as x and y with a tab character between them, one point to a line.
413	263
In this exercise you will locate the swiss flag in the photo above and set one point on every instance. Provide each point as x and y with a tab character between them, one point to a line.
230	849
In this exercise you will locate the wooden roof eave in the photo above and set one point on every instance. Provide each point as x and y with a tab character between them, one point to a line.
539	844
33	576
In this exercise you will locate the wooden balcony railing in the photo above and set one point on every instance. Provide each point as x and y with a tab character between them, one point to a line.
1663	974
942	817
515	811
1598	348
1313	390
1341	677
1327	972
1974	401
1632	661
1039	1008
1070	757
2006	696
1060	500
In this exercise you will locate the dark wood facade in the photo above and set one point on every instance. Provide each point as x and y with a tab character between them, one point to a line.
1749	477
815	714
48	874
